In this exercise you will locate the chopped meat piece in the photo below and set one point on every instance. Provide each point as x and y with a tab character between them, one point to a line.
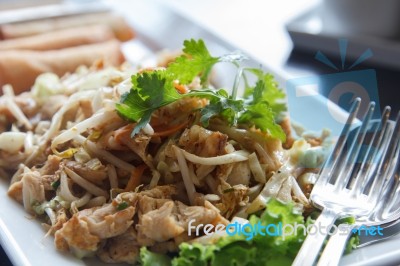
107	221
75	234
61	219
37	181
203	142
121	249
161	224
51	166
161	192
199	214
93	225
95	175
15	191
165	247
48	171
32	189
147	204
232	198
137	144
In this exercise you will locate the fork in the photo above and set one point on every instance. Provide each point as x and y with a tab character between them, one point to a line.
385	212
332	192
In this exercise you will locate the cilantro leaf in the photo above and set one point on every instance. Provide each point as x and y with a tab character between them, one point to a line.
264	104
261	116
208	112
195	61
267	89
150	93
130	107
142	122
122	206
221	104
258	91
155	89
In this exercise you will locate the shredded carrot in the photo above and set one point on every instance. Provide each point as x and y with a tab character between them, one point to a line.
123	132
156	120
135	179
180	88
169	131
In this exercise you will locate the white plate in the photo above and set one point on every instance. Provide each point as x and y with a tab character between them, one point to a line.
23	237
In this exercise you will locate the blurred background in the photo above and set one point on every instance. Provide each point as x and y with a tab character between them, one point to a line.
284	35
329	39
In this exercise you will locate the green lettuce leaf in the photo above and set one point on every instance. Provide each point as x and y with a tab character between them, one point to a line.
260	250
148	258
273	249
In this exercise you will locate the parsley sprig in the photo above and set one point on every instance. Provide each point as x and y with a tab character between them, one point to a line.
154	89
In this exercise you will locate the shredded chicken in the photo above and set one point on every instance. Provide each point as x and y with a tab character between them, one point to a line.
15	191
151	222
232	198
203	142
85	229
92	170
32	189
123	248
138	145
51	165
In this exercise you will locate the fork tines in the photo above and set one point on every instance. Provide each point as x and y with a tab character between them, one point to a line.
360	150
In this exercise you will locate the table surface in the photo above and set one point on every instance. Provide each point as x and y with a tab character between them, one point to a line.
257	28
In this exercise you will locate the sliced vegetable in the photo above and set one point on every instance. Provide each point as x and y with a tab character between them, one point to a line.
170	130
55	184
135	179
122	206
148	258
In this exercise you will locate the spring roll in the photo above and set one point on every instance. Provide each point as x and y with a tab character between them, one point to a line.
22	29
21	67
60	38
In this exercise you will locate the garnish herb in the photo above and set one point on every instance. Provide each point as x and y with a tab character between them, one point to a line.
154	89
55	184
122	206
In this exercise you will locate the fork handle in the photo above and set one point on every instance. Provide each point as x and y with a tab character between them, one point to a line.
310	249
333	250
